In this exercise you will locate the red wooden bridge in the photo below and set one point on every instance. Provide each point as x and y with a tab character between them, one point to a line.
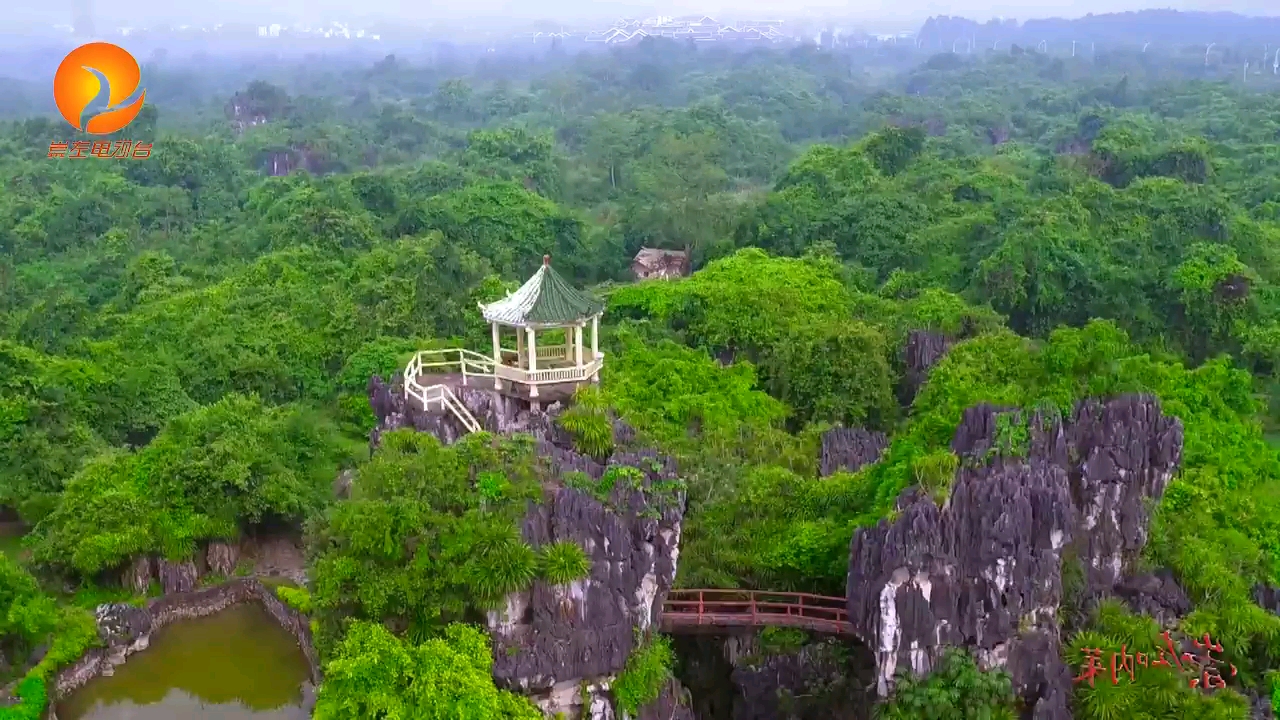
706	610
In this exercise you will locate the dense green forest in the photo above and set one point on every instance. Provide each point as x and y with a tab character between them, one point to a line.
185	341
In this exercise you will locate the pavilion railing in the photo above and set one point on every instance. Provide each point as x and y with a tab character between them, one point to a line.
549	376
545	353
472	364
439	393
459	360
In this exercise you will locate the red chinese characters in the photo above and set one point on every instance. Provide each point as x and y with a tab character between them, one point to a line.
1210	677
1203	669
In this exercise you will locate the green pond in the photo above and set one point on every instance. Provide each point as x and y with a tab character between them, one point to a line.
235	665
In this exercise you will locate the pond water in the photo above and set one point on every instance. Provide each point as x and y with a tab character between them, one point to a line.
235	665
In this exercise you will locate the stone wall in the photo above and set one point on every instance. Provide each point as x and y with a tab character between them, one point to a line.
126	629
984	571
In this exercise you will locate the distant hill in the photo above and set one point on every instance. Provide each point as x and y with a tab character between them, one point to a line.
1159	27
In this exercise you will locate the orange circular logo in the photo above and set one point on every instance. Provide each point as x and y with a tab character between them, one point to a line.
75	85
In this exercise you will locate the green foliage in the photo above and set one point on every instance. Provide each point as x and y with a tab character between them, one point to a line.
209	471
1012	436
934	471
297	598
837	372
782	640
698	410
429	533
44	437
956	689
564	562
893	148
647	671
28	618
588	422
374	675
1154	692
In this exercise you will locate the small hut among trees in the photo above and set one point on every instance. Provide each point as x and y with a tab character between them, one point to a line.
652	263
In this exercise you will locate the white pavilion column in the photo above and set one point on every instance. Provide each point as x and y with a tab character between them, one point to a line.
497	357
577	346
519	348
533	361
595	345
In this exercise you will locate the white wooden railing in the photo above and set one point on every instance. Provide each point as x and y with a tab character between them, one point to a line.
546	353
461	360
550	376
466	361
441	394
472	364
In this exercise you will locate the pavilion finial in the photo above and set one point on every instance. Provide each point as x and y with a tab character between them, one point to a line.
546	260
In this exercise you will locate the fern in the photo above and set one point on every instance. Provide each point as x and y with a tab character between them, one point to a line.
564	562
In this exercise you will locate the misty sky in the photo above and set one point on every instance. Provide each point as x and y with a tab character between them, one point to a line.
150	12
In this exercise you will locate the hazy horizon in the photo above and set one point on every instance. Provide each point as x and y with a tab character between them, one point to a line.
139	13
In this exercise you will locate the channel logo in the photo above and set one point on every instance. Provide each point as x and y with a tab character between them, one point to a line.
79	81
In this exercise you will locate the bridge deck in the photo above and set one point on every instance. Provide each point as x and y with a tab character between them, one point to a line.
695	611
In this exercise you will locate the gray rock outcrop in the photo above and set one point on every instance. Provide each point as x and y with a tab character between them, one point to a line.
139	574
551	639
849	449
563	645
922	351
222	557
984	571
178	577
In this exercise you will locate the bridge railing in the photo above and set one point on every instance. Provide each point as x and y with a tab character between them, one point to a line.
744	608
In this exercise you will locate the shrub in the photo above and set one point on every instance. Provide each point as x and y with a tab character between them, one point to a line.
956	689
297	598
503	566
589	424
564	562
646	672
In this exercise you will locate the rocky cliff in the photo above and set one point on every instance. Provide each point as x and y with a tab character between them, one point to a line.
985	570
921	352
849	449
563	645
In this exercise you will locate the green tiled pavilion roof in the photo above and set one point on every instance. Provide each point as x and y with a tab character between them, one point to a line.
545	299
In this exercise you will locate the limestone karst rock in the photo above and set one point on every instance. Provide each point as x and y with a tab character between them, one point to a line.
922	351
563	645
984	571
849	449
